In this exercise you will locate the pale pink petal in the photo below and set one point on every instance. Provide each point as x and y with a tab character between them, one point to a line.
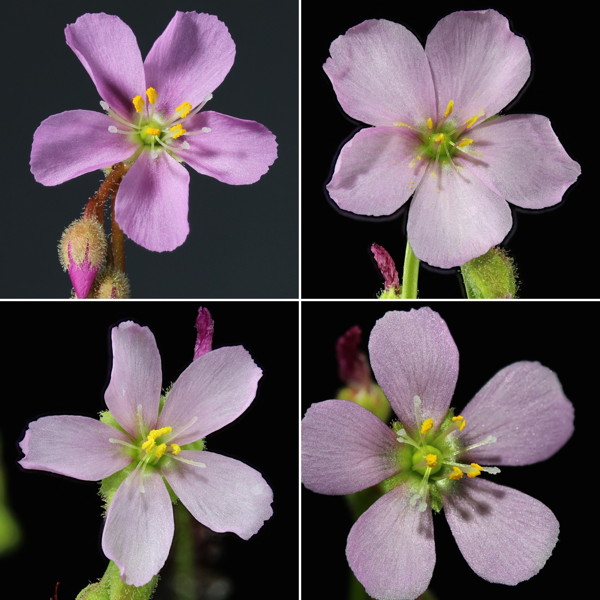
234	151
345	448
189	60
380	74
454	217
213	391
152	202
391	547
136	378
74	446
225	495
477	61
413	354
524	407
139	527
504	535
376	172
523	161
108	50
75	142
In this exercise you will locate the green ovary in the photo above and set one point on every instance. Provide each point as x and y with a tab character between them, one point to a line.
427	457
150	132
439	143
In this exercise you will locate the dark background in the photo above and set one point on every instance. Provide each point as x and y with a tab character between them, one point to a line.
489	336
243	240
59	363
554	249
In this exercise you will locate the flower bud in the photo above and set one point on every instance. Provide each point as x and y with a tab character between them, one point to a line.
354	370
111	283
492	275
388	269
205	327
82	252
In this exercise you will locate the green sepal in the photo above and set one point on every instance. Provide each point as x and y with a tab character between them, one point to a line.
372	398
447	419
492	275
391	293
109	485
197	445
435	498
111	587
106	417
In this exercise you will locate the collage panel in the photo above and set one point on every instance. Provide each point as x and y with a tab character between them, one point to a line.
418	502
405	155
239	482
191	115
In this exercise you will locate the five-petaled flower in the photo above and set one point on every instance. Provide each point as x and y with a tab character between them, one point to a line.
153	122
150	445
432	137
432	458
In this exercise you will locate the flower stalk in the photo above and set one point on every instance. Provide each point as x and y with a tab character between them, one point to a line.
410	274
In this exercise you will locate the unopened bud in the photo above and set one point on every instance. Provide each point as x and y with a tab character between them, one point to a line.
388	269
492	275
205	327
82	252
111	283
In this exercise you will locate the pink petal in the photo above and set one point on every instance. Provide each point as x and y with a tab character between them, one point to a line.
74	446
345	448
139	527
108	50
504	535
234	151
524	407
454	218
380	74
477	61
226	495
212	392
523	161
136	377
413	354
375	173
152	202
189	60
75	142
391	548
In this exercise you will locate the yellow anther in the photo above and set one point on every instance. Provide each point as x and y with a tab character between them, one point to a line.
426	426
456	474
401	124
175	449
178	129
431	460
429	123
160	450
138	102
183	110
148	445
464	142
462	421
470	122
449	108
439	138
152	95
152	130
476	470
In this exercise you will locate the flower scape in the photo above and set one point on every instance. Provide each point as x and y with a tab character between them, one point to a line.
153	121
434	459
148	447
436	135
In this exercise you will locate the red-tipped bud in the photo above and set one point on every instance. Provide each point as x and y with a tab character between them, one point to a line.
205	327
388	269
82	251
111	283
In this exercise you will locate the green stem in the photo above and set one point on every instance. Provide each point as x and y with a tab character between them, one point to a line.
185	584
410	274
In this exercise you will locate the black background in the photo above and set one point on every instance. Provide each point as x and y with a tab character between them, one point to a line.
554	248
489	336
243	240
59	363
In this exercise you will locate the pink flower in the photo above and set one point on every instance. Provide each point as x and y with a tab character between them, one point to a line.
432	137
432	458
152	122
151	445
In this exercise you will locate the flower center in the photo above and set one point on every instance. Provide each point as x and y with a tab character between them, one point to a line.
154	446
428	457
153	131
